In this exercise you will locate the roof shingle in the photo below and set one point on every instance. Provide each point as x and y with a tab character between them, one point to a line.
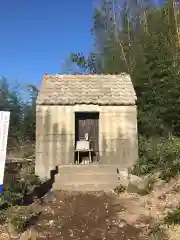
86	89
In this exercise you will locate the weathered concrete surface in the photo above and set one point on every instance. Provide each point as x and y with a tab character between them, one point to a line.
55	135
86	178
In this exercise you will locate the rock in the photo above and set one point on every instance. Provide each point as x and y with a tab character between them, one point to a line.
30	234
135	179
124	173
4	236
143	184
133	183
125	179
51	222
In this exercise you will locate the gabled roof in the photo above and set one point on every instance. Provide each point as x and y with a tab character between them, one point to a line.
86	89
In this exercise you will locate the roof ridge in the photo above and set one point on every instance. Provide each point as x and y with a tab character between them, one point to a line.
85	75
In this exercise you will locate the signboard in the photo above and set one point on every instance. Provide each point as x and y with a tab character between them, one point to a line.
4	127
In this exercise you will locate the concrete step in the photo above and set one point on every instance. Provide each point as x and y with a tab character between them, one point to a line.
86	177
88	168
84	187
90	177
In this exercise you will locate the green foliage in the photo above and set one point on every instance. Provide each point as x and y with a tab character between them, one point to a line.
173	217
28	183
158	155
148	187
20	218
17	219
23	114
127	38
119	189
19	187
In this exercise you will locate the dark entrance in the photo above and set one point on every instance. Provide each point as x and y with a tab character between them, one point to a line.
88	122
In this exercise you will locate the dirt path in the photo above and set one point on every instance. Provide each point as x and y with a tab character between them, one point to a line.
91	216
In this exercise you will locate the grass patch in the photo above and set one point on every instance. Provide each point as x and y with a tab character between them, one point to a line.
173	217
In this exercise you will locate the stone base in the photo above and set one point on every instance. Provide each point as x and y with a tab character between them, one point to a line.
89	177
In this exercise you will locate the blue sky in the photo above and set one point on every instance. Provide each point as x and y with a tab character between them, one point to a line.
37	36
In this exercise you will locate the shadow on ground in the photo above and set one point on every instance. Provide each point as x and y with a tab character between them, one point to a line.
38	192
41	190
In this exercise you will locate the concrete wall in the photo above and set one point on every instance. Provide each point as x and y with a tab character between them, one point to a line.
118	135
54	138
55	135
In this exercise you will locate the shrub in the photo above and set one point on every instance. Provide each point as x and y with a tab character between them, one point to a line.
120	189
20	218
156	232
173	217
16	190
158	155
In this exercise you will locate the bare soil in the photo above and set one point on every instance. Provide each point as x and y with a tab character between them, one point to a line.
104	216
91	216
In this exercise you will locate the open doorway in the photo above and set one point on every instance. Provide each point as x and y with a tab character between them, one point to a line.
87	123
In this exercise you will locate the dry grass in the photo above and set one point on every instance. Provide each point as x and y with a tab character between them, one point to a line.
148	212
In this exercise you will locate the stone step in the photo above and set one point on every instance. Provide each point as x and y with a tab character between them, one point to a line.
88	168
86	177
90	177
84	187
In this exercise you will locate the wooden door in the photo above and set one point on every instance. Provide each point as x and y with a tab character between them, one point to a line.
88	123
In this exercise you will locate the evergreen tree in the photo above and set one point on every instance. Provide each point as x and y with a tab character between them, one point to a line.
141	38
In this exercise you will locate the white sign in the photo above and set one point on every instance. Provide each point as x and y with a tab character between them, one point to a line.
4	128
82	145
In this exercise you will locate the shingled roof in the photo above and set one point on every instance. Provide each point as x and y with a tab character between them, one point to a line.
86	89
